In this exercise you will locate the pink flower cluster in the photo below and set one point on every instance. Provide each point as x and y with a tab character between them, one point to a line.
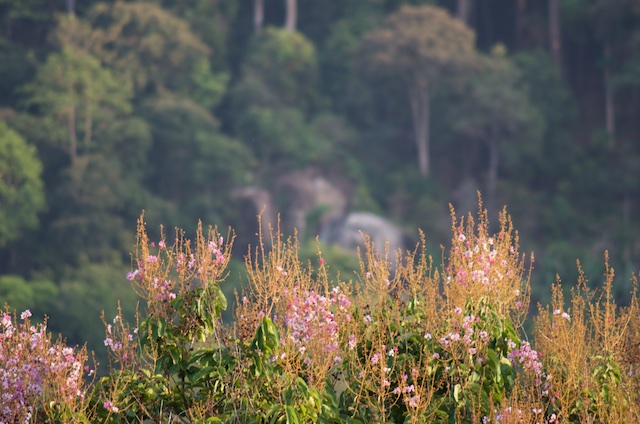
527	357
479	259
464	332
216	250
32	366
119	340
529	360
408	391
311	320
163	290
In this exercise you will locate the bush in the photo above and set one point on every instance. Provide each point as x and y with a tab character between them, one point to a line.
420	344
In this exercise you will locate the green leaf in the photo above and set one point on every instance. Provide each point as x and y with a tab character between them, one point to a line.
292	415
457	391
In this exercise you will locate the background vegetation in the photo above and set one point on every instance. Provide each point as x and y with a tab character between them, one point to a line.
108	108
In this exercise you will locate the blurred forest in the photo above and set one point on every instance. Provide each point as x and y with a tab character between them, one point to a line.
182	107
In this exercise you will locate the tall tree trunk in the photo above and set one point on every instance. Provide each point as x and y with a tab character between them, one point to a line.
492	178
609	104
88	127
258	16
555	41
520	25
463	11
292	15
73	139
419	97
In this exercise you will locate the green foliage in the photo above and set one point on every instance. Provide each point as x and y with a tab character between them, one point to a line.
19	294
81	96
285	64
21	189
147	46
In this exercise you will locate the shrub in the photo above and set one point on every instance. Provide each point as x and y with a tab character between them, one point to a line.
417	344
41	380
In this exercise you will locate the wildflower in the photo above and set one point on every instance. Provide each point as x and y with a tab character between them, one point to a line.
132	275
352	341
458	310
367	318
26	314
110	407
320	261
414	401
6	320
427	336
162	244
376	358
566	316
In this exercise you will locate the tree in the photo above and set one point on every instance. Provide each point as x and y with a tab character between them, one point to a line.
147	46
555	34
280	70
195	165
74	90
258	16
422	46
21	193
463	10
501	116
291	17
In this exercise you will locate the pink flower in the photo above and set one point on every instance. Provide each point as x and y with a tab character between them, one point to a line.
110	407
26	314
352	341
